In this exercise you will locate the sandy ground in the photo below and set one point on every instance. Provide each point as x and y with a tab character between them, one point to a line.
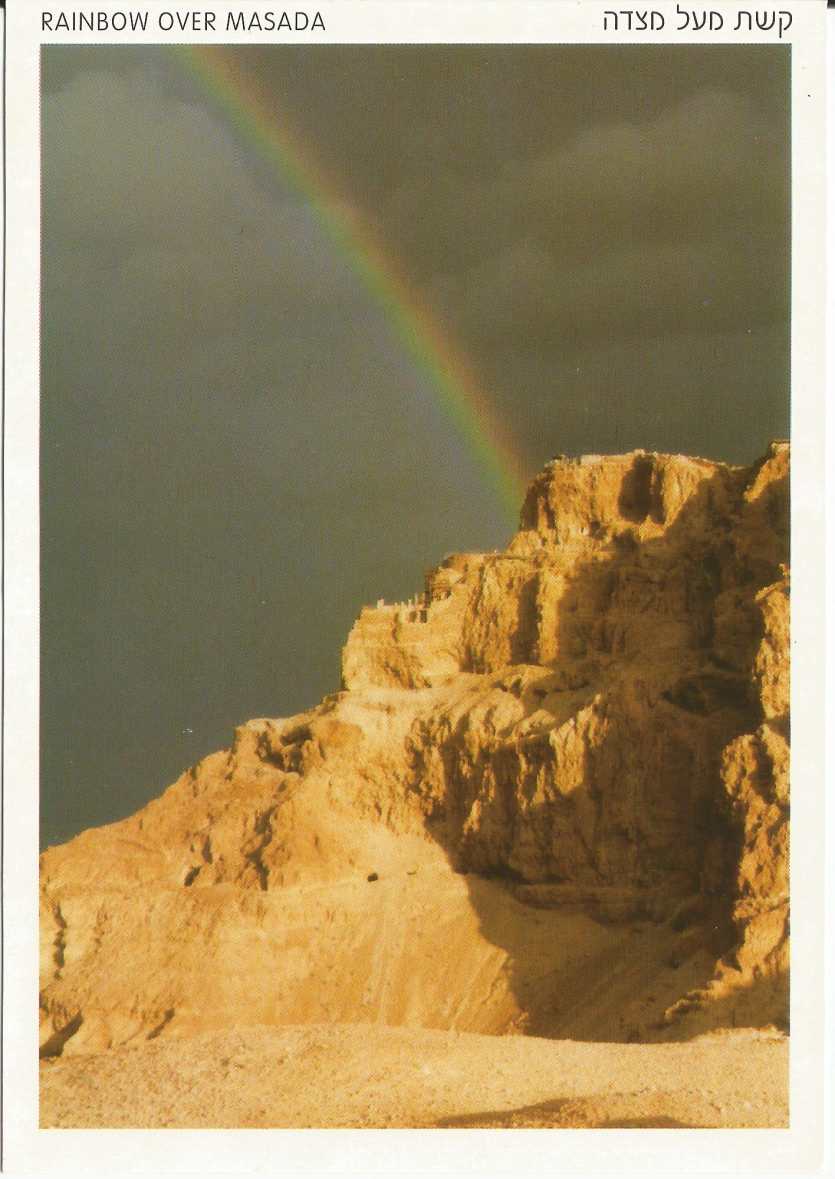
342	1075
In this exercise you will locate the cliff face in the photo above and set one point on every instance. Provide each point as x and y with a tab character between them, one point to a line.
551	750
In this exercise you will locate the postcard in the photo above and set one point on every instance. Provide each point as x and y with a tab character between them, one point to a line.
405	679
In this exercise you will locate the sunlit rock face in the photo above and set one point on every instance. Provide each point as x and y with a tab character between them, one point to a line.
547	752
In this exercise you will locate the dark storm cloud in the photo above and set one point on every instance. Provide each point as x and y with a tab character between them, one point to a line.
548	203
666	216
236	450
661	229
630	228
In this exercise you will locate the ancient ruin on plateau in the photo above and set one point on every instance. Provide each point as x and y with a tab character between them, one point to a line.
528	867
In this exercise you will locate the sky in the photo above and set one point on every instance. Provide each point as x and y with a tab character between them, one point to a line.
237	449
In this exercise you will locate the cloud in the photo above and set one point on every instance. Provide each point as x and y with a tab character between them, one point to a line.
627	226
152	210
630	227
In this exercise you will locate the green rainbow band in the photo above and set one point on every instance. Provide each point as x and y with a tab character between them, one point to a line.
456	388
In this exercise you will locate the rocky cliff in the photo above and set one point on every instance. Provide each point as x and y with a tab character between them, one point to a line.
551	796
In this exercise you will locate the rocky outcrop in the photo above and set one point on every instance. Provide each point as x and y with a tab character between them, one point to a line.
549	751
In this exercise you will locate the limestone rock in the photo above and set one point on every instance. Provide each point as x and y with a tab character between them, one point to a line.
550	752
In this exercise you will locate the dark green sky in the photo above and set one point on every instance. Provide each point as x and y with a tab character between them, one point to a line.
237	453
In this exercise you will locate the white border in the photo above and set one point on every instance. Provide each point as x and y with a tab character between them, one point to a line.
798	1150
829	714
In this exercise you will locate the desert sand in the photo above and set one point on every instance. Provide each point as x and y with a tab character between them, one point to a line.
338	1075
528	867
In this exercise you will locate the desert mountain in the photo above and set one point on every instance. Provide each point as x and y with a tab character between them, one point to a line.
551	797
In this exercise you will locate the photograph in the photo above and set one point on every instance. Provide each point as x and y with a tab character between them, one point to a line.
414	585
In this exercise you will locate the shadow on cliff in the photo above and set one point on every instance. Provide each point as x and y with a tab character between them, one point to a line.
659	636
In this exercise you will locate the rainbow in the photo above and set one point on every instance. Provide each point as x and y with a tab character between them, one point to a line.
452	378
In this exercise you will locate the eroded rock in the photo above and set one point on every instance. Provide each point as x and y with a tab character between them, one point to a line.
588	729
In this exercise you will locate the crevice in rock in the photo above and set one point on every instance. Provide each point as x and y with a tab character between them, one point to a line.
262	828
60	943
54	1046
162	1025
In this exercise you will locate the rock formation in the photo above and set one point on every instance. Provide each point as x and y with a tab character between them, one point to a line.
551	796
